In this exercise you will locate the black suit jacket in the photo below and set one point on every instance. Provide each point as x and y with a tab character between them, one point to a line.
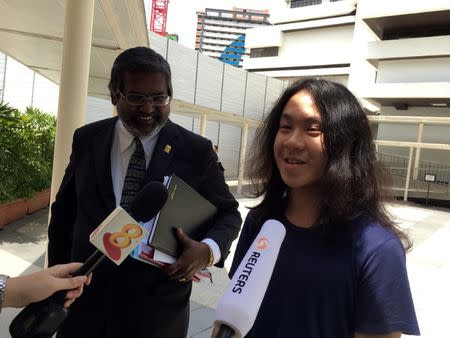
133	299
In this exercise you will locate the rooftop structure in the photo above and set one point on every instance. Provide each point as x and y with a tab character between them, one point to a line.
221	33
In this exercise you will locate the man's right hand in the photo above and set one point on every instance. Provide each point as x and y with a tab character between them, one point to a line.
194	258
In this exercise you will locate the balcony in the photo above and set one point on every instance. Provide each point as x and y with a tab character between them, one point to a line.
402	95
415	48
307	13
387	18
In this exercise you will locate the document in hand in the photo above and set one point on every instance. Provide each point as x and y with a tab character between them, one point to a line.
186	209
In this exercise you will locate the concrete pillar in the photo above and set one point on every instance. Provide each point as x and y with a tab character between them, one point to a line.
79	15
32	89
408	173
362	73
244	137
417	159
3	79
203	121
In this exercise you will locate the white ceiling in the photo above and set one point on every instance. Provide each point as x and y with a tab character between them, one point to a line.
31	31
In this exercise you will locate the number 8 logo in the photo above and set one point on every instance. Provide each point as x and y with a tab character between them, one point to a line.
123	238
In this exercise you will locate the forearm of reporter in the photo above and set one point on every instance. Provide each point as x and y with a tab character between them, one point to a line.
23	290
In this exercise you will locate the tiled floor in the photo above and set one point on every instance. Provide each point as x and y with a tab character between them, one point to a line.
22	246
428	266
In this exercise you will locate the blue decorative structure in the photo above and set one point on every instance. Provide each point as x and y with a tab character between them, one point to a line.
232	54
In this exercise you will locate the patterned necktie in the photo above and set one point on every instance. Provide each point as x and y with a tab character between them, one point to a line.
135	174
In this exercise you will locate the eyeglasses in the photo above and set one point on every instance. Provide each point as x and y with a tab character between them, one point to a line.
140	100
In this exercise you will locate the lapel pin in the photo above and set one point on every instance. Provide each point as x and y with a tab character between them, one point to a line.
167	149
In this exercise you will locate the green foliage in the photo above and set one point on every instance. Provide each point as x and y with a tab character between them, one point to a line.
26	152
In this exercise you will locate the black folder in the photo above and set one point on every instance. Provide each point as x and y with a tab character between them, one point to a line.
186	209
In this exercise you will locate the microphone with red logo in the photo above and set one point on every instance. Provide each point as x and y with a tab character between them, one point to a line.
242	299
115	238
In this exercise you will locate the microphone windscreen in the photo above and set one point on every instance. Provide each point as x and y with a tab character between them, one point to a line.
242	299
148	201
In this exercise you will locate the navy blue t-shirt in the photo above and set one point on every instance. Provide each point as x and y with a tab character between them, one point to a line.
323	290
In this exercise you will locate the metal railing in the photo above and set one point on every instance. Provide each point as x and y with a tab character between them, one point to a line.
441	170
416	185
398	165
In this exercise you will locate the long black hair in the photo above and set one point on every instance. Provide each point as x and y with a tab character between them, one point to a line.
354	180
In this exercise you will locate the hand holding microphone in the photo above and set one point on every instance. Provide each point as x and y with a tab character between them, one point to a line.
42	319
31	288
240	303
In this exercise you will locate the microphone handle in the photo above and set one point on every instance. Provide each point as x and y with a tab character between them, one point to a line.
225	332
91	264
42	319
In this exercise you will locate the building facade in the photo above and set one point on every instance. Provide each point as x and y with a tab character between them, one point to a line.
394	55
221	33
311	40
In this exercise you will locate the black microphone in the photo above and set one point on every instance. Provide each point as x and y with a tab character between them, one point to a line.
42	319
240	303
140	210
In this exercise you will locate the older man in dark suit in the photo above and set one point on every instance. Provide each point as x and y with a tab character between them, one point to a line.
108	158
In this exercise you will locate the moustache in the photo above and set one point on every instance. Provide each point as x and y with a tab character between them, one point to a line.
154	114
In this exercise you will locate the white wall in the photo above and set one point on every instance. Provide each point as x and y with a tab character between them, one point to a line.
98	109
229	147
380	8
18	92
183	120
409	48
318	46
311	47
226	137
418	70
416	111
264	36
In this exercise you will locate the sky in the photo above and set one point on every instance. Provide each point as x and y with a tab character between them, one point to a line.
182	20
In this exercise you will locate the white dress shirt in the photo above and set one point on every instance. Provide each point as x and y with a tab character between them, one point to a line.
121	151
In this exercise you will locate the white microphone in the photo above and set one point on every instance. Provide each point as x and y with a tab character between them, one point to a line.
242	299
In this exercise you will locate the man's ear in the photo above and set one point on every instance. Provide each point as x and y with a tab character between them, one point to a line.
114	98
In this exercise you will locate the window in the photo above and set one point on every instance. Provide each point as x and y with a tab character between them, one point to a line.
263	52
304	3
